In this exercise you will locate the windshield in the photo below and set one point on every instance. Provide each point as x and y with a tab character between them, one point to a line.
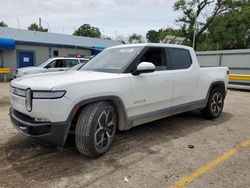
112	59
45	63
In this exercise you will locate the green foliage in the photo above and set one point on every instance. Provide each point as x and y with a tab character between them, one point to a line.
225	26
135	38
157	36
35	27
153	36
2	24
192	9
87	30
232	29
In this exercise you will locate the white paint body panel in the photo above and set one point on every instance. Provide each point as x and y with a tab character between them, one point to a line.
151	92
140	94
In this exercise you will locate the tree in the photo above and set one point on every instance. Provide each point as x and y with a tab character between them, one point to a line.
35	27
194	9
135	38
153	36
157	36
87	31
2	24
121	39
232	29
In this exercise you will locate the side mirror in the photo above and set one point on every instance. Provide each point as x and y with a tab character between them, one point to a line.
144	67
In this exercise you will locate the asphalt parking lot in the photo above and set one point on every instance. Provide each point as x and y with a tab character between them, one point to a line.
184	150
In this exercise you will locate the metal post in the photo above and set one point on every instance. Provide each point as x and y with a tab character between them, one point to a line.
195	23
220	56
40	22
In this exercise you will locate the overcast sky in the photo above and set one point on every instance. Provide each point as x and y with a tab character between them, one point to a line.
110	16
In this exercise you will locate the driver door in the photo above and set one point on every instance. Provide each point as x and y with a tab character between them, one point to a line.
152	93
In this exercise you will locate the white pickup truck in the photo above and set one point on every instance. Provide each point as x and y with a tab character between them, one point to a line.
122	87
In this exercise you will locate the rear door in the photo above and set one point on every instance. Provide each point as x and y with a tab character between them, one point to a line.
185	76
25	59
152	92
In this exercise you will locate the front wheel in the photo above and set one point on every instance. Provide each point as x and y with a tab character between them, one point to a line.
95	129
215	104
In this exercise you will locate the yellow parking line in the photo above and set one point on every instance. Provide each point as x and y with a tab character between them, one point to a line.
194	175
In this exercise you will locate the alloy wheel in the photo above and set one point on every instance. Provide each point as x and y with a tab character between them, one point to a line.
216	103
105	129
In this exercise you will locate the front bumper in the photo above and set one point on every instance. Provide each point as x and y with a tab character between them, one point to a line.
54	133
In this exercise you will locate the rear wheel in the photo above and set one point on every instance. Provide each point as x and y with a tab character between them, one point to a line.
95	129
215	104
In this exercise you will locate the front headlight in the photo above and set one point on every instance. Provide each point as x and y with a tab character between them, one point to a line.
48	94
17	91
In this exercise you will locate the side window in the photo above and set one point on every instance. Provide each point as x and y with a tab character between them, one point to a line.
157	57
70	62
58	63
50	65
180	58
55	64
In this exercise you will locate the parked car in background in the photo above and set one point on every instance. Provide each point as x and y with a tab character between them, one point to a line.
122	87
51	65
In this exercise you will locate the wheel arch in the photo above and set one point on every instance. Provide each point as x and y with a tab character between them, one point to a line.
115	100
219	84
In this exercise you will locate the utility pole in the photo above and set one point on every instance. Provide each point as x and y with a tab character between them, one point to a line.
49	27
18	24
195	24
40	22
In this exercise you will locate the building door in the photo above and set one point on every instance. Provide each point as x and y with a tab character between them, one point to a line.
26	59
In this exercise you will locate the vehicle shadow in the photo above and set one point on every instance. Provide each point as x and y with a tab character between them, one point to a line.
38	162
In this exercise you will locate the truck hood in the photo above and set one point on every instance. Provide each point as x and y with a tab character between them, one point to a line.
47	81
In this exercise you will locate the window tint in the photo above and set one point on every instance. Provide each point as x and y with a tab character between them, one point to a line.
180	58
58	63
55	64
70	62
155	56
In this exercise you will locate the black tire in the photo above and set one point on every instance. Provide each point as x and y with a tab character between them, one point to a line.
215	104
95	129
